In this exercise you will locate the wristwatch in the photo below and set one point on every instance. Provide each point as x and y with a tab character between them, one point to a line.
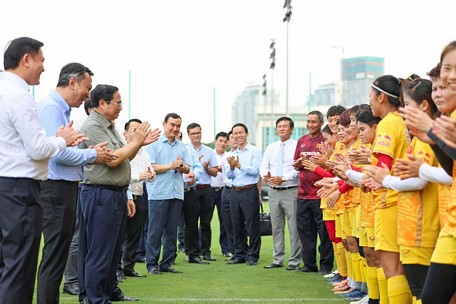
283	179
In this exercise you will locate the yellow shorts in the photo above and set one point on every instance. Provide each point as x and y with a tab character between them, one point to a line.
416	255
328	214
445	249
363	240
386	229
339	221
356	213
370	233
348	222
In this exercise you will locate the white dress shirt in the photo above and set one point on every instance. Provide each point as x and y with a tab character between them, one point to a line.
217	181
271	158
139	165
25	148
226	180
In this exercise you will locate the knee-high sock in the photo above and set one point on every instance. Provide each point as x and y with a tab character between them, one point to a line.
348	258
336	255
372	283
355	257
342	268
363	265
399	290
382	286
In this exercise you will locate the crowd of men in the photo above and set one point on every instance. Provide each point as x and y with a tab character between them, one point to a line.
97	197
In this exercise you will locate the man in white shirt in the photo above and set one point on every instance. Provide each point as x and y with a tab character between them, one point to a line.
277	171
141	171
218	185
23	164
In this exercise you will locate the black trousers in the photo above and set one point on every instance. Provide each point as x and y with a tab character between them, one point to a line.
245	216
20	234
133	231
58	200
226	214
310	224
222	236
101	232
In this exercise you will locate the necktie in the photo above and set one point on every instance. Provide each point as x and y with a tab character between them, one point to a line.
280	159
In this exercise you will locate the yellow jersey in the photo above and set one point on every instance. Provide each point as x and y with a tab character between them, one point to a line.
418	211
392	139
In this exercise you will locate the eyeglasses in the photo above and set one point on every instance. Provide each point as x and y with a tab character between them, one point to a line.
119	104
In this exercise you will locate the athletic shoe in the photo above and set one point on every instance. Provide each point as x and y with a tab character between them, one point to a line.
331	275
364	300
354	295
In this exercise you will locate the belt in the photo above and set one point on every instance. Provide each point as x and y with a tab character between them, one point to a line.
62	181
189	189
136	196
109	187
203	186
217	189
242	188
228	187
284	188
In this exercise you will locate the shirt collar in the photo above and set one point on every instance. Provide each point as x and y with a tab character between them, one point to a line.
100	118
63	105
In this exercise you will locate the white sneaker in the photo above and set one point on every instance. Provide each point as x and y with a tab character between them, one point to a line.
330	275
364	300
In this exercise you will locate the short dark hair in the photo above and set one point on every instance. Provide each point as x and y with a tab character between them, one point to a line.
318	113
193	125
434	73
240	124
229	134
17	48
127	124
368	118
87	105
335	111
172	115
327	129
102	91
284	118
221	134
73	70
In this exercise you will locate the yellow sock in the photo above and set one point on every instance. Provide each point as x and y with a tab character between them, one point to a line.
343	262
382	286
363	264
356	259
348	258
418	301
372	283
399	290
413	300
336	255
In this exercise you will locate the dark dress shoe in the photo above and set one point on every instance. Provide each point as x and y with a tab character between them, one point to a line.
292	267
236	261
325	271
153	270
208	257
197	260
71	289
123	298
251	263
306	269
132	273
170	270
273	266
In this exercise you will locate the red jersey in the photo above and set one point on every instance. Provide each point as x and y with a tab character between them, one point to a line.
307	147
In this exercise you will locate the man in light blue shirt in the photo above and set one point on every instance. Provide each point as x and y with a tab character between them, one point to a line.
59	193
202	207
243	168
170	160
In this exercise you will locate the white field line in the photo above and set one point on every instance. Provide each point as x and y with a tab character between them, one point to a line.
279	300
